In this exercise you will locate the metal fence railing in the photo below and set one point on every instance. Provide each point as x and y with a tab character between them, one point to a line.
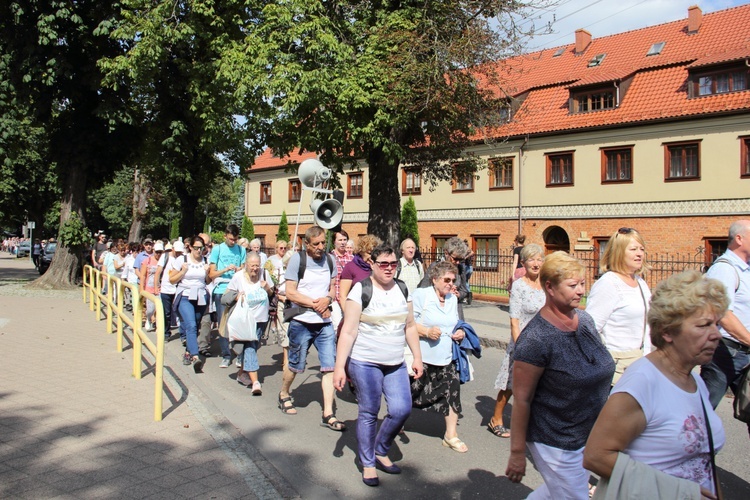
492	270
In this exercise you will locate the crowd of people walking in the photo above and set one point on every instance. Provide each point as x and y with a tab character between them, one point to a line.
609	389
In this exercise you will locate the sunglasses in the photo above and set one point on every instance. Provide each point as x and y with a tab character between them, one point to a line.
625	230
197	248
449	280
387	265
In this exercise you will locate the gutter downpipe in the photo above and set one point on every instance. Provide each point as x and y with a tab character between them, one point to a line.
520	190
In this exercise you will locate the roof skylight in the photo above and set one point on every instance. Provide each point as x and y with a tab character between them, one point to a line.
596	61
656	49
559	52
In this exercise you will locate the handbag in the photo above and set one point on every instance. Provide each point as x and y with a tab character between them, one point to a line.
742	398
714	474
241	325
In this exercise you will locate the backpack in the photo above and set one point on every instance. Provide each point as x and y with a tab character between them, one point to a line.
726	261
303	264
420	268
367	290
742	398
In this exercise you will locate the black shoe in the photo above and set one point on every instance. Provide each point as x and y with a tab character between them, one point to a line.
205	353
371	481
388	469
197	364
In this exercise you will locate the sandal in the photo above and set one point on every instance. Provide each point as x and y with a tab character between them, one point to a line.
498	430
286	405
455	444
333	423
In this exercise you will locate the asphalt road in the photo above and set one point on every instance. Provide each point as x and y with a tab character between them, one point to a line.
320	463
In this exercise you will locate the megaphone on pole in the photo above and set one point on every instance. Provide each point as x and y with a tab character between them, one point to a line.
327	213
312	174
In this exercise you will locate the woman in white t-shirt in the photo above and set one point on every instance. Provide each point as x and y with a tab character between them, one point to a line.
618	301
190	273
371	349
657	412
254	291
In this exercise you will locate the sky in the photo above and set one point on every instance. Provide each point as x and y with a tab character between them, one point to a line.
607	17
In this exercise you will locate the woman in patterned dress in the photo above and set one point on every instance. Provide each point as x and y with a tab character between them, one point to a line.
525	301
436	314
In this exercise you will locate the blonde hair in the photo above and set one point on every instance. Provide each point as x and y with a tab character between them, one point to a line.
613	258
679	297
559	266
366	243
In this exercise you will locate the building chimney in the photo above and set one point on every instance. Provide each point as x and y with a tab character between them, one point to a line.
583	40
695	18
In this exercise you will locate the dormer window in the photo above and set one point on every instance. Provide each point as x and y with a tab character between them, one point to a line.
596	61
719	80
656	49
596	100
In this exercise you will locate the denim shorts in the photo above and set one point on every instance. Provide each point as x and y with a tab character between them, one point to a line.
302	336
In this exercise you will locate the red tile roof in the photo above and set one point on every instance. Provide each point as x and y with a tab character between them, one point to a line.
268	160
658	90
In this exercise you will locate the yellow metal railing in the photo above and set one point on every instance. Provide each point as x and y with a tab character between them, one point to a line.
113	298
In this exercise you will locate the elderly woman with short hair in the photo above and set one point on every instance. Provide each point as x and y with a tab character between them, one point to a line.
561	379
436	314
455	252
658	418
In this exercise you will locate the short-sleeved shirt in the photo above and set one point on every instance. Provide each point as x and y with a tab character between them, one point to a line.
165	262
138	260
355	272
410	273
675	440
341	262
193	282
427	312
732	274
575	383
278	273
223	256
256	297
315	283
381	336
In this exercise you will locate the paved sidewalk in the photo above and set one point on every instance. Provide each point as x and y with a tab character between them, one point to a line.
74	423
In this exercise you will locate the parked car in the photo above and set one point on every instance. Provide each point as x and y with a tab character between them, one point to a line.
45	259
24	249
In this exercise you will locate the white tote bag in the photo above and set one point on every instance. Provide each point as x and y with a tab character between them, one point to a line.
241	324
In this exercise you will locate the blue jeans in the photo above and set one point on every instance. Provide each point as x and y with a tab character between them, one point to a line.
302	336
166	300
372	382
724	371
226	353
190	316
250	361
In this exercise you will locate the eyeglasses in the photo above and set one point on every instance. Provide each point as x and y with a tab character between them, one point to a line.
625	230
387	265
449	280
454	258
197	248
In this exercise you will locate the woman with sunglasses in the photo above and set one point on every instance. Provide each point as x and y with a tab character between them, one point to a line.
190	274
371	350
618	301
436	314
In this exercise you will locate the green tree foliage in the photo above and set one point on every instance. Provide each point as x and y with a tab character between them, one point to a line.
174	229
185	108
409	223
247	230
238	186
283	233
53	48
385	82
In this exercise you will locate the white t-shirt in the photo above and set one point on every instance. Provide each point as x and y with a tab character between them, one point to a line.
255	296
194	280
278	265
316	282
675	440
165	262
128	273
618	311
382	326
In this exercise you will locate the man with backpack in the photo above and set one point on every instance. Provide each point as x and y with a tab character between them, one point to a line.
410	269
310	293
733	352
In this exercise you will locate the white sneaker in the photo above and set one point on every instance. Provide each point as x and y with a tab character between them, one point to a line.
147	327
257	390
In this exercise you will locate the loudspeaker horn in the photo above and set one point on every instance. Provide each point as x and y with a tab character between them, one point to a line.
312	174
327	213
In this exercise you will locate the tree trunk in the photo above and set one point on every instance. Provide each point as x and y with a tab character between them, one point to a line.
67	265
385	199
188	205
141	190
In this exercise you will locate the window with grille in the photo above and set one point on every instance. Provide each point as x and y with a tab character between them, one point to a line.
682	161
411	182
560	169
295	190
593	101
501	173
486	253
354	185
720	82
744	156
265	192
617	164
